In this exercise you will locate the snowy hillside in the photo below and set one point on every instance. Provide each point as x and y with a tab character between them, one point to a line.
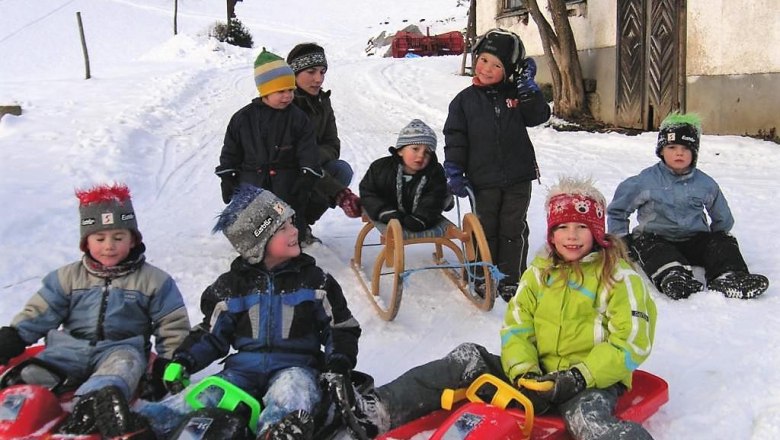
154	116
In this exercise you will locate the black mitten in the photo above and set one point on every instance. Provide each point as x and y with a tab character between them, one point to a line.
413	223
228	182
152	386
386	216
304	184
541	403
11	344
338	364
567	384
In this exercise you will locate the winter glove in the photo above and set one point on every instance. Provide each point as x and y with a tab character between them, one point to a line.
413	223
386	216
456	181
11	344
228	182
176	377
152	385
338	363
541	403
303	186
349	202
526	86
566	384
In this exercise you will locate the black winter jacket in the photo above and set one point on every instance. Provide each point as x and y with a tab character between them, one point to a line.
383	189
274	318
268	147
485	134
320	112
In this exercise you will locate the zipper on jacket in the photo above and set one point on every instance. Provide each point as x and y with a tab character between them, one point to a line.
269	324
100	332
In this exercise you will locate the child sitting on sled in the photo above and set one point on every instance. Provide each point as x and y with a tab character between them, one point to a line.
277	309
582	319
673	232
99	313
409	184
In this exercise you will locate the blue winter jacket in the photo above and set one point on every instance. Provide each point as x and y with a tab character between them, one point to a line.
275	319
104	311
668	204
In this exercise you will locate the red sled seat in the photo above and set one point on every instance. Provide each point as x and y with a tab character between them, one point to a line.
476	420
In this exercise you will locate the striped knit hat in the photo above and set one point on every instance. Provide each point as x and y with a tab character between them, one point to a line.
306	55
272	74
416	132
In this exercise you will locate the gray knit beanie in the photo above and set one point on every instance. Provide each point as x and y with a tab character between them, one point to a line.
250	219
105	207
416	132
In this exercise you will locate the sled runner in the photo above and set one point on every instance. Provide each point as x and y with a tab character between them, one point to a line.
473	419
386	288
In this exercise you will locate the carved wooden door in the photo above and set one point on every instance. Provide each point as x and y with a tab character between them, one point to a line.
650	61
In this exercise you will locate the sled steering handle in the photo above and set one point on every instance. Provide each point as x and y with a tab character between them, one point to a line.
232	396
535	385
504	395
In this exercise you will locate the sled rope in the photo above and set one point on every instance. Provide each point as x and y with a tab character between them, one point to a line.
494	272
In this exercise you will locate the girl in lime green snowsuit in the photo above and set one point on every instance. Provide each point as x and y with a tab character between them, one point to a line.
582	317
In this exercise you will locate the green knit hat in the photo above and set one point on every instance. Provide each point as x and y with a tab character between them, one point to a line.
681	129
272	74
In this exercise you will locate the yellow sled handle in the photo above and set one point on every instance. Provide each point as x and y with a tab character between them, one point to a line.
505	394
450	396
535	385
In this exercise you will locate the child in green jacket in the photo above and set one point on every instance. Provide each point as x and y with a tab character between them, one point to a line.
582	318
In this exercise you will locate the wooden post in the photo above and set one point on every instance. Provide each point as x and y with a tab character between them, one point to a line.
83	45
175	16
471	36
15	110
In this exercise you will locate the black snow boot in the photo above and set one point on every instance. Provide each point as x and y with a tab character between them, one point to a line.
116	421
364	414
741	285
507	291
82	420
297	425
679	284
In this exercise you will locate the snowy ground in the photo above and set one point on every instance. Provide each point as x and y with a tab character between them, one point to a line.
154	115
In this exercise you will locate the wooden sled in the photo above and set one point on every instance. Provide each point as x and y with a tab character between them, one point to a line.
466	244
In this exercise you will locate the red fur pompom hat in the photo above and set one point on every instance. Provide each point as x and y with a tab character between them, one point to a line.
104	207
576	200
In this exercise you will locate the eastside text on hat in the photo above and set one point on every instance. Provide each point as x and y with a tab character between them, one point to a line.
105	207
680	129
250	219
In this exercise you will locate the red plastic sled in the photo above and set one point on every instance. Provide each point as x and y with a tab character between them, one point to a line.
35	411
476	420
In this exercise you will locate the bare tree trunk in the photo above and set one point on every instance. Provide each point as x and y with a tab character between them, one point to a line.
563	60
175	16
88	75
471	35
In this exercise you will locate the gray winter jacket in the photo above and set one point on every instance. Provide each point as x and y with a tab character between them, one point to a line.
97	310
668	204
